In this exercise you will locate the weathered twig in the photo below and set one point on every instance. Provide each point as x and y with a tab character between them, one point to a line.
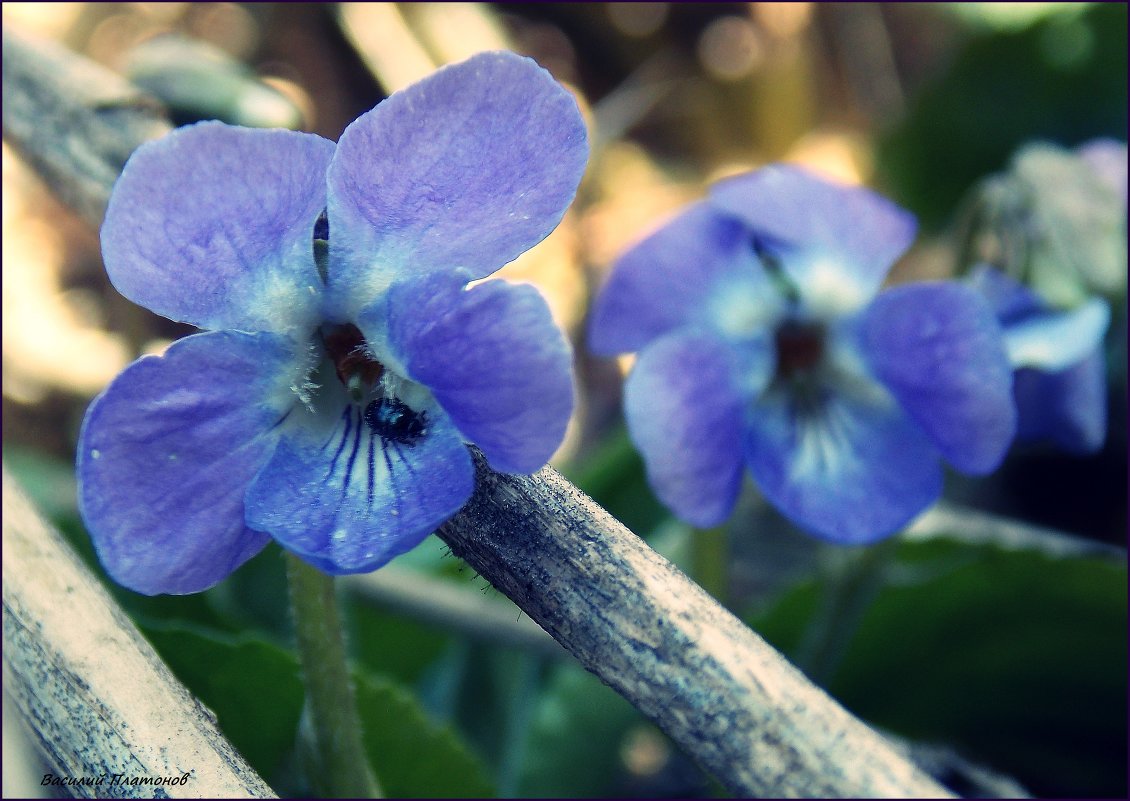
627	614
74	121
110	717
630	617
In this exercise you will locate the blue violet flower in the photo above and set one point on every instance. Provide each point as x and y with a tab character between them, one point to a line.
1055	220
345	362
1060	380
1045	240
764	342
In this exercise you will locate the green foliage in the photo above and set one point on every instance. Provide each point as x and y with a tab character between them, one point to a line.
578	722
255	690
412	756
50	485
1062	79
585	740
1017	658
253	687
391	644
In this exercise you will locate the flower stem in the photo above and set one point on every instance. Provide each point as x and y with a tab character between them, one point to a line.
710	561
850	586
343	769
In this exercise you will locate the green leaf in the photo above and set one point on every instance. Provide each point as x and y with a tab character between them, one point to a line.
49	482
412	756
575	740
256	691
1017	658
392	644
253	687
587	741
1002	90
254	597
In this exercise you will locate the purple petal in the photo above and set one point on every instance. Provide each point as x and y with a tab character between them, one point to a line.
468	168
348	488
167	452
213	225
1067	408
684	410
851	468
1108	158
860	232
1056	340
938	348
1010	300
1035	334
491	355
698	268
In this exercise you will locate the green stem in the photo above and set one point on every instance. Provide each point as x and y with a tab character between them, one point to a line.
518	720
343	769
850	587
710	561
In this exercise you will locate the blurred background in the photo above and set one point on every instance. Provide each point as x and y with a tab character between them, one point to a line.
1002	662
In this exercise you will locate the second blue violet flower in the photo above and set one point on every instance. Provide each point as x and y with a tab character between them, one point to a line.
345	362
766	344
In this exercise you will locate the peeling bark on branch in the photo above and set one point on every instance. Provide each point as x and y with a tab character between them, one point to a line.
99	700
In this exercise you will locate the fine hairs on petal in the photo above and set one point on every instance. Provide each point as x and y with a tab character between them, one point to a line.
306	388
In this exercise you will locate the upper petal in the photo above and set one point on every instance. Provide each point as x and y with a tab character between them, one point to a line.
1056	340
851	468
491	355
468	168
1035	334
1108	159
683	402
699	268
213	225
860	231
167	451
347	492
938	348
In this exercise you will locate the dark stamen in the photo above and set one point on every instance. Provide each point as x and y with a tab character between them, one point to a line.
800	347
388	417
345	345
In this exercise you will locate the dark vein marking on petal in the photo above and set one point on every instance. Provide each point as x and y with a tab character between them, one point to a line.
329	439
341	445
348	477
282	420
391	479
372	454
400	455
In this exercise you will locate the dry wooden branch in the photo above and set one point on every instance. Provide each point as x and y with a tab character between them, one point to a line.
100	701
74	121
724	695
632	618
